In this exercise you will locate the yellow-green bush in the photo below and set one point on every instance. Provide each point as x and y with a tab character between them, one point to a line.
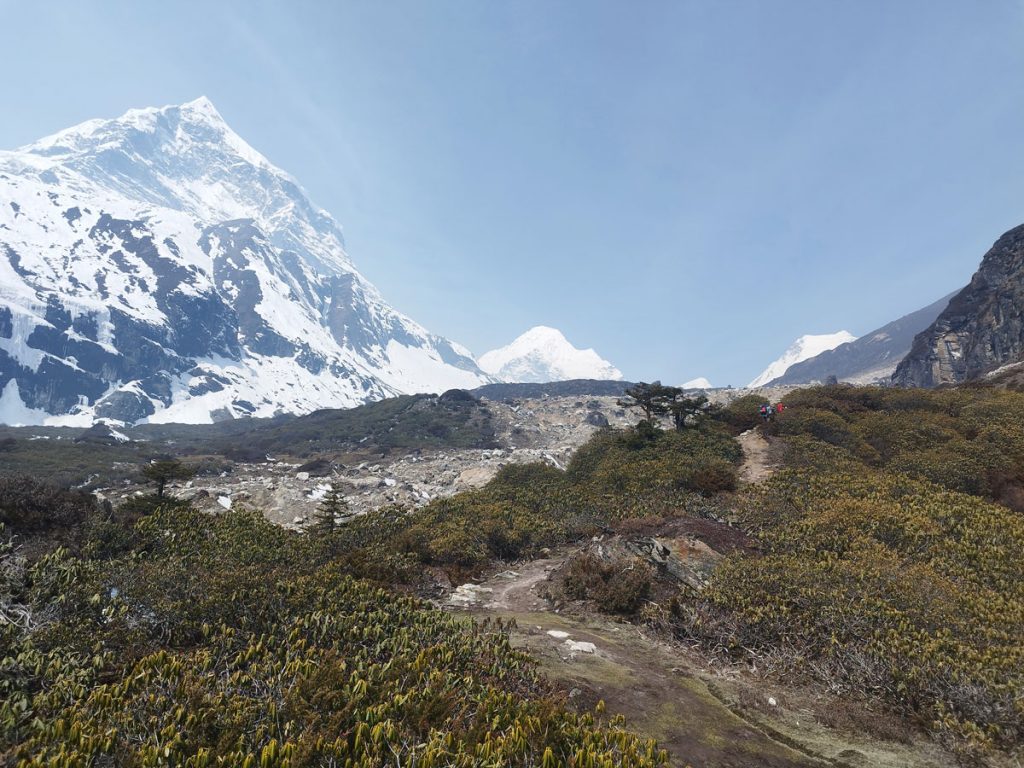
224	640
616	586
969	440
615	476
884	569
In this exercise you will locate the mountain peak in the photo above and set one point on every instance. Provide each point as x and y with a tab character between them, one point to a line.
184	158
543	354
700	382
543	333
202	106
172	129
163	231
804	348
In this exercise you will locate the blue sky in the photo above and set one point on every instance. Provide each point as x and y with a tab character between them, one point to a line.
685	186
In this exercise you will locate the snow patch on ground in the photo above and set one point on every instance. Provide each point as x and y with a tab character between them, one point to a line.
421	370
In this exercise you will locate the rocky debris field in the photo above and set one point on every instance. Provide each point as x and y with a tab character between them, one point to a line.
288	492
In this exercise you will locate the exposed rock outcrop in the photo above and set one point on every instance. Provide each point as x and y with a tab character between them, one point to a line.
981	329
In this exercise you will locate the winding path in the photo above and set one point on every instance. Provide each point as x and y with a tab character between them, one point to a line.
653	683
705	717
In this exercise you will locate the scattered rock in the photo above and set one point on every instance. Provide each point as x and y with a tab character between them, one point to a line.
576	646
469	594
551	430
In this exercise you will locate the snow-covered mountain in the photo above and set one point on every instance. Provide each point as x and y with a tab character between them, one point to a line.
802	349
543	354
699	383
155	267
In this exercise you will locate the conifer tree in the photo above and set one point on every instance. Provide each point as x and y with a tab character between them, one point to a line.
654	399
330	508
163	471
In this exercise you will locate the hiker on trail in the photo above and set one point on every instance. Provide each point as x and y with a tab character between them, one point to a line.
766	411
779	408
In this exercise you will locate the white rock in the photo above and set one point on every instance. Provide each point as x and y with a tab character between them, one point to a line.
224	501
772	702
558	634
469	594
575	646
302	475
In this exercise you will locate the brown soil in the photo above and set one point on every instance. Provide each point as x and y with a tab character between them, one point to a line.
757	460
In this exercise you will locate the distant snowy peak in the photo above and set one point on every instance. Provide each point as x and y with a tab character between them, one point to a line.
543	355
698	383
802	349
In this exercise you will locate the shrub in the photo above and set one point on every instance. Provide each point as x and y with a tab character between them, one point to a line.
885	571
227	640
617	586
741	414
29	506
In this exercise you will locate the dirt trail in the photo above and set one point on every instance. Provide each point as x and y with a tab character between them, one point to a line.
649	682
706	719
757	463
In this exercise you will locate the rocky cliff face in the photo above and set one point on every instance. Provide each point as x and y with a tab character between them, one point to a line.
155	267
981	329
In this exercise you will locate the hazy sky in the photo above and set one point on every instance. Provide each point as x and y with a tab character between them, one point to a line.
685	186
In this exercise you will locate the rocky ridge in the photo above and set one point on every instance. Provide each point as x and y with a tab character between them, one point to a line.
980	330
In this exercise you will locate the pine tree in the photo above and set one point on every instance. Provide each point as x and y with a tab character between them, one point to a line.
330	508
686	410
165	470
654	399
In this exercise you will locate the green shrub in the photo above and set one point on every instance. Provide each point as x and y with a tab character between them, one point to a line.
619	586
227	640
885	570
741	414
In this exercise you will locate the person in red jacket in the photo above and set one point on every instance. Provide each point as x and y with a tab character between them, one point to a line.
780	408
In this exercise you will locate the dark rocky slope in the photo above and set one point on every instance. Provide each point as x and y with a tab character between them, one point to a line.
981	329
